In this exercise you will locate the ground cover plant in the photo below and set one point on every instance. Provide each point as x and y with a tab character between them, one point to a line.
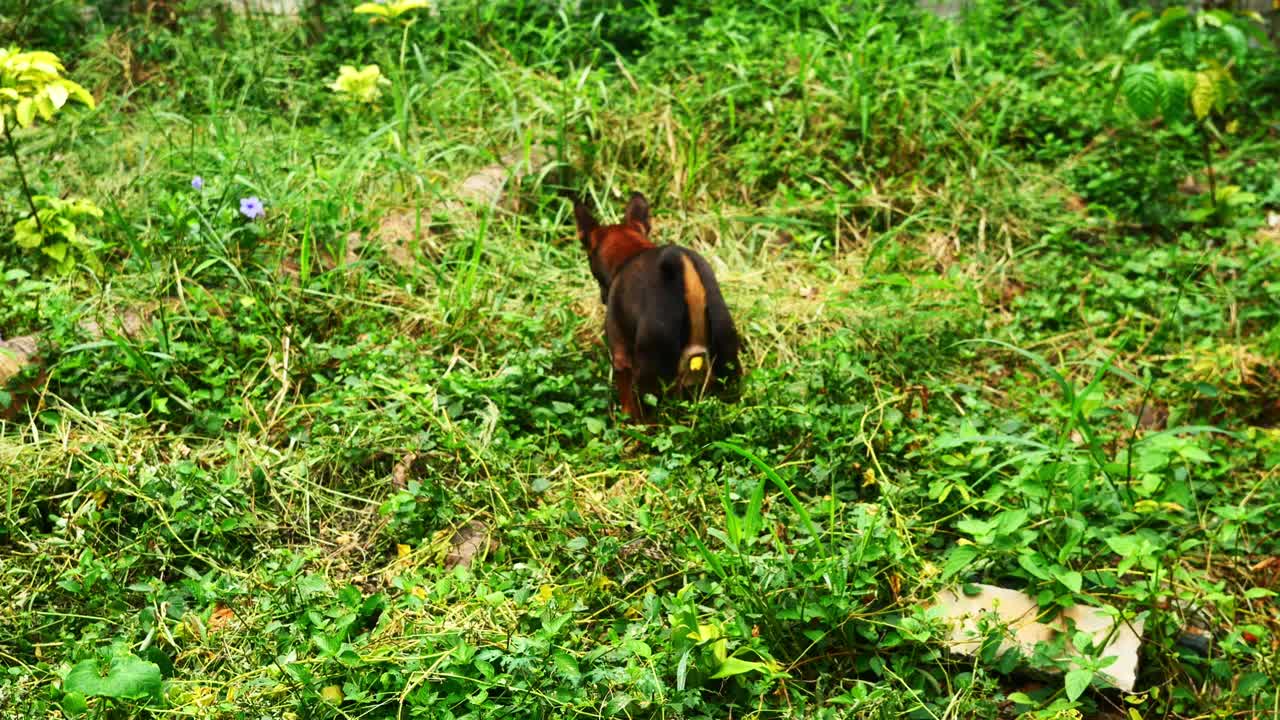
306	411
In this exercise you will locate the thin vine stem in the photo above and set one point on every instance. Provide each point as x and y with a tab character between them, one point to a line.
22	176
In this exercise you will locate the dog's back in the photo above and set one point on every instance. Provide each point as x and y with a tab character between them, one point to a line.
667	299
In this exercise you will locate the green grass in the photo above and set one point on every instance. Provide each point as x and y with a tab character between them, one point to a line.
988	339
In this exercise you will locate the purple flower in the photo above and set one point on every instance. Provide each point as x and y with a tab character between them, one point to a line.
197	183
251	207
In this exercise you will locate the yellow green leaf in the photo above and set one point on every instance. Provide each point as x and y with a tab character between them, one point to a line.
57	94
737	666
1203	94
44	106
86	207
26	112
45	68
372	9
57	251
79	93
720	649
393	9
705	633
42	57
27	234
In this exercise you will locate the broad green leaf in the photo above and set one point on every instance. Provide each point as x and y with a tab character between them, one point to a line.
979	529
705	632
1173	14
1143	90
1070	578
1123	545
130	678
1251	683
1034	564
1135	35
736	666
74	705
682	669
958	558
1192	453
1203	94
59	225
1077	681
1238	42
1011	521
1241	199
565	663
1177	84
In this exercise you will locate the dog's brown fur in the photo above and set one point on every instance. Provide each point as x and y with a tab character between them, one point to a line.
666	322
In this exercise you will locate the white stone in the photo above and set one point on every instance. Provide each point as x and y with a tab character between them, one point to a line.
1018	611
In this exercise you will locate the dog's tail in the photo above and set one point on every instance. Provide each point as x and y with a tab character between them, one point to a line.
679	271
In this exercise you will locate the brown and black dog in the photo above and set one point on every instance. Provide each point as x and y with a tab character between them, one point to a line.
666	323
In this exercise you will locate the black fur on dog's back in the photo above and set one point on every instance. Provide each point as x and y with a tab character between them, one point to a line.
649	299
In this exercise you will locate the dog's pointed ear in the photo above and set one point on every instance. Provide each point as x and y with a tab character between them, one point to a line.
586	222
638	212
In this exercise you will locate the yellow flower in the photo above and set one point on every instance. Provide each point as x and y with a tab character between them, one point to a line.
361	85
391	10
332	694
545	593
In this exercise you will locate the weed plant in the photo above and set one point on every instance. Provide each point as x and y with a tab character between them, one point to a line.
997	330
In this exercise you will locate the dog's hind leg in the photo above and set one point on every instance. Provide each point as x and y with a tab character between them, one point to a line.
623	372
626	393
656	358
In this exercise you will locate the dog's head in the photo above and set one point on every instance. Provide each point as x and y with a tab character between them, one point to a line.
609	246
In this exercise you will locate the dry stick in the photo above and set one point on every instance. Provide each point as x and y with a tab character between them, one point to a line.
26	190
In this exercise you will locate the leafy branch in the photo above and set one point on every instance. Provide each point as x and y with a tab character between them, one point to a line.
31	87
